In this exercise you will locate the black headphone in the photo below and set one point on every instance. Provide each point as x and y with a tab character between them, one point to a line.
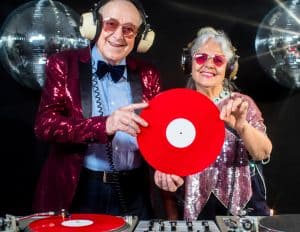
186	62
90	26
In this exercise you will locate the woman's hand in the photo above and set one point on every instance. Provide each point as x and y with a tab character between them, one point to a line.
234	113
256	142
167	182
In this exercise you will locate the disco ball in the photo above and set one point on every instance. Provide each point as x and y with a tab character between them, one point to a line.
277	44
31	33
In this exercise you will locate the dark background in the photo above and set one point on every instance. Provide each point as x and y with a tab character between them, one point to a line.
175	24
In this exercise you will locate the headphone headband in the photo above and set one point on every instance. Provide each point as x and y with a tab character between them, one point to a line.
90	26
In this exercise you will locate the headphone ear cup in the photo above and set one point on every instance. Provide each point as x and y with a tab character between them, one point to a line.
186	61
89	26
146	41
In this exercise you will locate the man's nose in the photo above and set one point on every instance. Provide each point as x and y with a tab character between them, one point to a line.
118	33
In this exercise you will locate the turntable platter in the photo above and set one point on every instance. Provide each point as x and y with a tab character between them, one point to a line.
79	223
280	223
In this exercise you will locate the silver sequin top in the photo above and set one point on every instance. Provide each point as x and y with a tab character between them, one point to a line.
218	179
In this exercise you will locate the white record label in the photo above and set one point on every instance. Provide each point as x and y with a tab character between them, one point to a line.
77	223
180	132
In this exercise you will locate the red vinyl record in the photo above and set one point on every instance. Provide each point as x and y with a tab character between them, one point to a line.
78	223
185	133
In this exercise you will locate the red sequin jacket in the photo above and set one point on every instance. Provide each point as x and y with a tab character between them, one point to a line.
64	120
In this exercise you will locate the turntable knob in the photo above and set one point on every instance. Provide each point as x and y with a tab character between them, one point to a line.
189	226
173	225
150	225
161	226
206	226
247	225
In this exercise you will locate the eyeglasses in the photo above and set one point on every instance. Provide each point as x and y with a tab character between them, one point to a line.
201	58
111	25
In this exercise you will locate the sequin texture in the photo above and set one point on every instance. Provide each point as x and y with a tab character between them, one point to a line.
62	121
229	177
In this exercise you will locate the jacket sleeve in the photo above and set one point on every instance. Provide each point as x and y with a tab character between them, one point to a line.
59	117
151	83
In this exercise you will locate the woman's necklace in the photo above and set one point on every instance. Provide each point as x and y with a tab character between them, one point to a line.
222	95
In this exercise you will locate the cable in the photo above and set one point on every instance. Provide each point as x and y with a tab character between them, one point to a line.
109	151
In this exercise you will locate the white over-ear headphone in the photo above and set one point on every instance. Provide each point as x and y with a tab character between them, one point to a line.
90	26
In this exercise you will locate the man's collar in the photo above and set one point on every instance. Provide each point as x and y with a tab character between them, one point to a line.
96	56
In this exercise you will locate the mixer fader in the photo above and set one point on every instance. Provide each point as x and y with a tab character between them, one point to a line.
182	226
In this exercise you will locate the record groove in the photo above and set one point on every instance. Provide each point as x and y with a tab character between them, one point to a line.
185	133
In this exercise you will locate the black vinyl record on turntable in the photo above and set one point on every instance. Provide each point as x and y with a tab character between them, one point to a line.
280	223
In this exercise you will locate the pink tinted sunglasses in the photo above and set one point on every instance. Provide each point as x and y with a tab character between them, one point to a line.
111	25
201	58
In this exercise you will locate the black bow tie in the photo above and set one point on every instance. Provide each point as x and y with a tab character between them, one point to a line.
116	71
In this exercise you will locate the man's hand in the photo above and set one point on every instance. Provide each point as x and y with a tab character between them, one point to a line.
126	120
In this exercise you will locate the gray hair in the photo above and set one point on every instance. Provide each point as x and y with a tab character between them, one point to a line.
136	4
203	35
206	33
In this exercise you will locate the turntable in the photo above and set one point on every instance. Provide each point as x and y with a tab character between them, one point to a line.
280	223
275	223
54	222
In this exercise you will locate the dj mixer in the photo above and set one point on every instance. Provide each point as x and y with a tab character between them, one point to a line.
161	225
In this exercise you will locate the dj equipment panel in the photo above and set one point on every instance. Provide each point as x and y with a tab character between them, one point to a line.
45	222
238	224
161	225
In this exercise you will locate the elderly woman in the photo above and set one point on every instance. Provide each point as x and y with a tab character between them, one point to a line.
227	186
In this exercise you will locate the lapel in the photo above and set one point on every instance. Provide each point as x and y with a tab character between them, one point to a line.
135	86
85	79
